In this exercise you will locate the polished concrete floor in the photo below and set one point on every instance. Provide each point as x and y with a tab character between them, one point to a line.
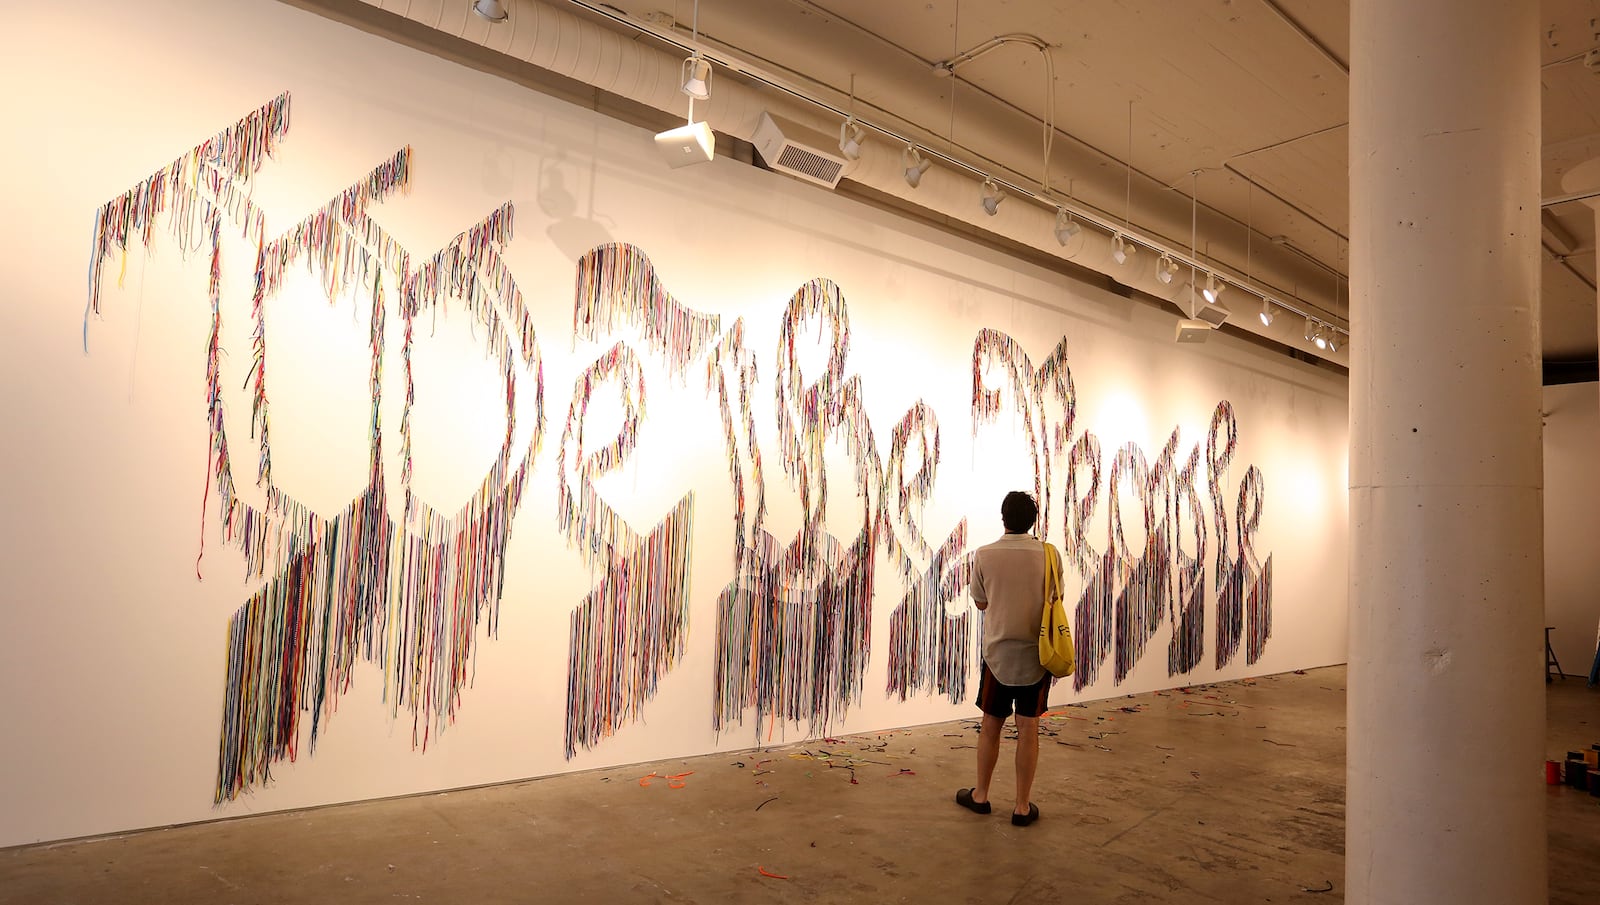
1229	793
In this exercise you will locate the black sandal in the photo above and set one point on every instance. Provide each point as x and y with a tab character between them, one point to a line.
964	798
1025	819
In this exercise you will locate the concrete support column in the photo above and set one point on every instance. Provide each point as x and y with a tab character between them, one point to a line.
1446	704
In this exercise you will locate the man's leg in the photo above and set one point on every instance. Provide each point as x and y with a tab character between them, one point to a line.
989	754
1027	758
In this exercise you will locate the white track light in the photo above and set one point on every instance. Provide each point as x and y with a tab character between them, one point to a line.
1121	249
697	77
1320	340
1066	227
1311	329
493	10
851	135
992	196
1333	340
915	165
1166	268
1266	313
1213	290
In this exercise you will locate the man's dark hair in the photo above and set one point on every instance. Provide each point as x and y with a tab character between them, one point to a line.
1018	512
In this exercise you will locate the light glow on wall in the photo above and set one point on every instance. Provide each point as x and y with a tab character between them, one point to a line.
1120	418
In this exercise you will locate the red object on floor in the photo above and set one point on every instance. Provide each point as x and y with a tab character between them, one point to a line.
1552	773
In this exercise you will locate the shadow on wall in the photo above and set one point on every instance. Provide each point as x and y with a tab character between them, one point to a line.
573	234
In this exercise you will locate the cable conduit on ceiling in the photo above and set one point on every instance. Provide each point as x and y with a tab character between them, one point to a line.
945	149
576	47
1100	153
1007	176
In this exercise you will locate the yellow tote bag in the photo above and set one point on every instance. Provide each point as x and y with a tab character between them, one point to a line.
1055	633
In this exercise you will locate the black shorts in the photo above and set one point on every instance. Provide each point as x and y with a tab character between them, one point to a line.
998	700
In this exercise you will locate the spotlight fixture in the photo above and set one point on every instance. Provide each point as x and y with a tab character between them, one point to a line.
692	142
992	196
1311	329
696	80
1266	313
1166	268
851	135
1333	340
1320	340
1213	290
1122	249
492	10
915	165
1066	227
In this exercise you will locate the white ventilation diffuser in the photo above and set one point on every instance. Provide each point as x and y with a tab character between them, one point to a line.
1213	314
1193	331
788	147
687	145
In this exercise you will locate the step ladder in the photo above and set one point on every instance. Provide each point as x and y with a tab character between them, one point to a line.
1594	671
1550	658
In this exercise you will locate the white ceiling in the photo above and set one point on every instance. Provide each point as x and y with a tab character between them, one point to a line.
1250	95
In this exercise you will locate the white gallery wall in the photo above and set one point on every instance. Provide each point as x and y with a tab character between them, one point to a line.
1571	523
114	619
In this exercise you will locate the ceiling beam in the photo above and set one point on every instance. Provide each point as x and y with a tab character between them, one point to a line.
1287	141
1559	258
1310	38
1563	240
1571	196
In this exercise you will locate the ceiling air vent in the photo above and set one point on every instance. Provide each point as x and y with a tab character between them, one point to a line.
1193	331
789	147
1213	314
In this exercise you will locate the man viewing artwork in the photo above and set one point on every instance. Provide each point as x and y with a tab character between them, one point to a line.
1008	586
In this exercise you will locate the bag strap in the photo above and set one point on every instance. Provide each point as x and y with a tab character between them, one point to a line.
1052	573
